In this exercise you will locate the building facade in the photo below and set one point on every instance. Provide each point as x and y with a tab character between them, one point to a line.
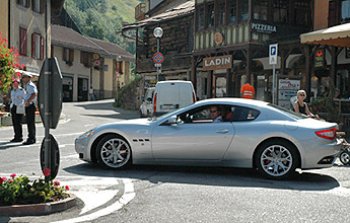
89	63
176	45
27	31
232	39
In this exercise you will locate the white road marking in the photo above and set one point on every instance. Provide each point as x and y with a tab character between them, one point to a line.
128	195
94	192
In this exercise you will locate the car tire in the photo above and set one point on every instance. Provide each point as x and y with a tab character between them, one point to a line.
344	157
276	159
114	152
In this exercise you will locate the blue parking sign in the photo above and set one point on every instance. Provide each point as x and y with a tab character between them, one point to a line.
273	53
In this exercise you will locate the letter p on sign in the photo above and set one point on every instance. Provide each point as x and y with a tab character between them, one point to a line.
273	53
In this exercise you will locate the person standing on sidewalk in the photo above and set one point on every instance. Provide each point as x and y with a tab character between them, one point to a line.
247	91
17	110
30	106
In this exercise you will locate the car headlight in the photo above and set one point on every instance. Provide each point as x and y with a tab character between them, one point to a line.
88	133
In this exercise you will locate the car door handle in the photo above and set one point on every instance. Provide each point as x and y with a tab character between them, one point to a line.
222	131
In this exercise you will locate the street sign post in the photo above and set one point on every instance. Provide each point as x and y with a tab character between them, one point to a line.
50	106
273	53
54	155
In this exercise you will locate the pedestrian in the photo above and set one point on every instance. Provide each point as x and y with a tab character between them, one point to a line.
300	106
91	93
247	91
17	110
30	106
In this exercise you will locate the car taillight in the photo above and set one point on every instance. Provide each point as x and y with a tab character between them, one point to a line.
327	133
155	103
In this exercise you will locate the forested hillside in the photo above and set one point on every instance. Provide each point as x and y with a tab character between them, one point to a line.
103	19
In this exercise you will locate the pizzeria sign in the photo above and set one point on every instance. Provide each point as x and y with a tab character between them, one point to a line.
217	63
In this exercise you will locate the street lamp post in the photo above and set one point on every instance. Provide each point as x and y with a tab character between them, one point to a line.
158	33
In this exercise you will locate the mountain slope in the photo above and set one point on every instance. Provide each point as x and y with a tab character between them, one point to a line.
103	19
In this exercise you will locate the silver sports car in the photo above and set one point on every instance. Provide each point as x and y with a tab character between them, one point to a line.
220	132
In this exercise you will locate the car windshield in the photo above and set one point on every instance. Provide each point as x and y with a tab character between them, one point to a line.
289	112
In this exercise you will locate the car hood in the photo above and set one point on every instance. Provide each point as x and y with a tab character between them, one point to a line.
131	122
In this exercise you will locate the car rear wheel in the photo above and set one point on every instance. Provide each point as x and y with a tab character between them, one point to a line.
276	159
113	152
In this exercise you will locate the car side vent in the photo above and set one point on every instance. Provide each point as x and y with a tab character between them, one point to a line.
140	140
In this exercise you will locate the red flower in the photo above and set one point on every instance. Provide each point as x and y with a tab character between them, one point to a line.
13	176
67	187
47	172
1	180
56	183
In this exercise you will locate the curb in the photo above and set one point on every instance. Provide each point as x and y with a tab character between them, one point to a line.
38	209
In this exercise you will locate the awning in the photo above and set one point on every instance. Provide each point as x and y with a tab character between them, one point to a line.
338	36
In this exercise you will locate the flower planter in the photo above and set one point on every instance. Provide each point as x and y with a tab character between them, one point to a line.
38	209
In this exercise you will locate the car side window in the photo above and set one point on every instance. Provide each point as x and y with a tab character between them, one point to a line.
244	114
199	115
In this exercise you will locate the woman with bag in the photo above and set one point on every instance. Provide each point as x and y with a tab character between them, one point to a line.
17	110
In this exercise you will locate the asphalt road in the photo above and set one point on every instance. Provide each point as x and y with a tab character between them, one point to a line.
173	194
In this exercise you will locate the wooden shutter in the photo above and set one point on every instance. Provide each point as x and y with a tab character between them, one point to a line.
64	54
71	55
23	41
33	45
42	47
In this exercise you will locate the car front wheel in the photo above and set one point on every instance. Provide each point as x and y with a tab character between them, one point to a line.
113	152
276	159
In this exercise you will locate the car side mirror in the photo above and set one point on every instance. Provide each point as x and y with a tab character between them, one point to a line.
172	120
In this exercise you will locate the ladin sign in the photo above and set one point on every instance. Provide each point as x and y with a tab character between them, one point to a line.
217	63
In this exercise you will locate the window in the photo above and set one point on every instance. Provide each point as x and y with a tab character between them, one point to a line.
85	58
332	14
280	11
221	13
232	13
244	12
37	46
302	12
38	6
260	9
210	15
228	114
200	17
23	41
119	67
24	3
68	56
345	10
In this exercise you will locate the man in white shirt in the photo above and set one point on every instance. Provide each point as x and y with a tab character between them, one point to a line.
30	106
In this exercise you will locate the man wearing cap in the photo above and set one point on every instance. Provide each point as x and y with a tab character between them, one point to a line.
30	106
17	110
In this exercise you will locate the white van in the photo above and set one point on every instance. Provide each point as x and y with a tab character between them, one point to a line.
146	108
171	95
